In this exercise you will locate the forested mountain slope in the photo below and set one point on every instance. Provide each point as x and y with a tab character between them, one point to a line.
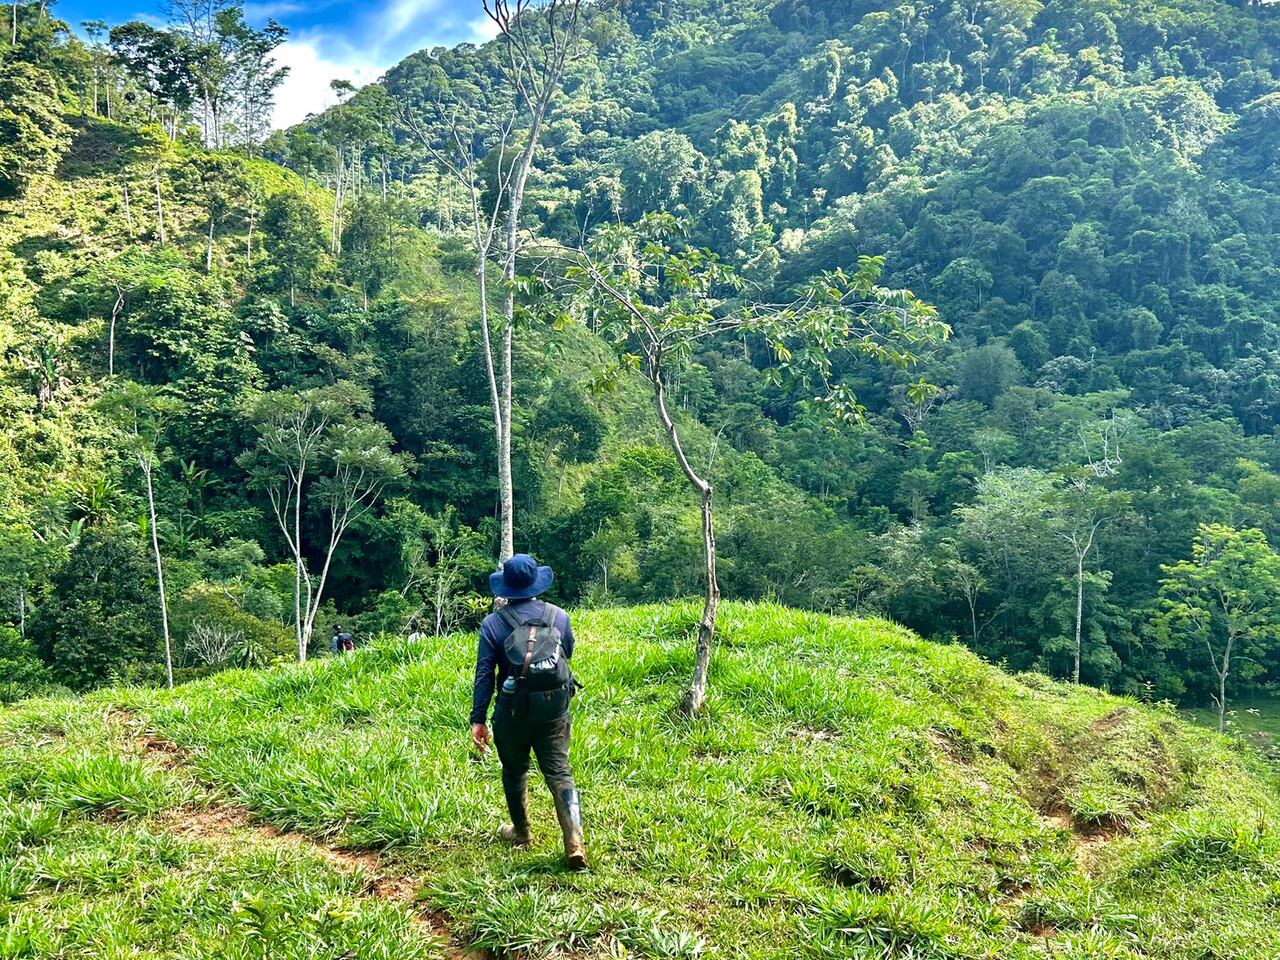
204	280
1087	191
853	792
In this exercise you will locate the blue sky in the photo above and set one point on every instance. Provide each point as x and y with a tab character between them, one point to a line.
328	39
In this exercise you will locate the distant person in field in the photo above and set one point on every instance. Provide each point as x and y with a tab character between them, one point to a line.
527	645
342	642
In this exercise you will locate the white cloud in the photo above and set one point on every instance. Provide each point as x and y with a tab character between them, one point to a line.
401	14
257	10
482	29
363	50
306	89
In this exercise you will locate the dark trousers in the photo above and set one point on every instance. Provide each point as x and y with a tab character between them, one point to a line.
515	734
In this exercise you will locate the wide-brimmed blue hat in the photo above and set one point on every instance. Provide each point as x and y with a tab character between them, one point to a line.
520	578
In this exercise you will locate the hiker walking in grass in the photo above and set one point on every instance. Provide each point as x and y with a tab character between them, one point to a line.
342	641
527	645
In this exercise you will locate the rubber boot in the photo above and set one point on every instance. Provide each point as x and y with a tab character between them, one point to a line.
569	813
517	831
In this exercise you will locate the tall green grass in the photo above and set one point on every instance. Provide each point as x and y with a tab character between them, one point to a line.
852	792
90	866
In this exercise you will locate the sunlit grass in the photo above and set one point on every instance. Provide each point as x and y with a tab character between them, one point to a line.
852	792
90	867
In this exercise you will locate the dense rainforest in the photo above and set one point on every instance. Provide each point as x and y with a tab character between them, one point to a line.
254	364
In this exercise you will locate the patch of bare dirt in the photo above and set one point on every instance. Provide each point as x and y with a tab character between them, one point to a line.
1111	720
1043	929
810	735
1087	839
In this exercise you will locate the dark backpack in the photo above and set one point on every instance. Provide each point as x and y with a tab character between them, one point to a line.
535	650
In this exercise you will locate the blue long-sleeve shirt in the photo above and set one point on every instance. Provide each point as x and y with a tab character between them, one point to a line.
491	661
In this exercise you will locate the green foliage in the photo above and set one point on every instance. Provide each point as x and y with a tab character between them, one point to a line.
1223	601
214	629
104	612
1089	202
24	674
293	238
32	131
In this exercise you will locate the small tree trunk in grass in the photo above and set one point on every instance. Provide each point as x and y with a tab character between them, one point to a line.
696	696
1075	674
208	250
297	576
155	547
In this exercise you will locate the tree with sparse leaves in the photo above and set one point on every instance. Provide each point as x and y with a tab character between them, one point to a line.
318	450
655	299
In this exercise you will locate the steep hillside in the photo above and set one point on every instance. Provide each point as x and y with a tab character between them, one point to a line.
853	792
1085	191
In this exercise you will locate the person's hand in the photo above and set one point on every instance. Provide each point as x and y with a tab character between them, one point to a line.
480	737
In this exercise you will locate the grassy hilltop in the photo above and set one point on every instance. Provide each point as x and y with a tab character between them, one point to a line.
853	792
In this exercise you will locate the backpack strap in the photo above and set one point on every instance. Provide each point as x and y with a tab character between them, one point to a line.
510	617
528	650
549	614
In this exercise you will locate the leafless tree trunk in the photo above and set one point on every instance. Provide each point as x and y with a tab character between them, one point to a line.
534	68
1221	670
460	160
1222	689
334	235
1081	543
248	240
970	582
357	492
159	207
147	462
354	493
208	249
537	52
111	333
287	504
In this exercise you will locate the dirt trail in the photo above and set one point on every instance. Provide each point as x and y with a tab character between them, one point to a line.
1086	842
229	823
